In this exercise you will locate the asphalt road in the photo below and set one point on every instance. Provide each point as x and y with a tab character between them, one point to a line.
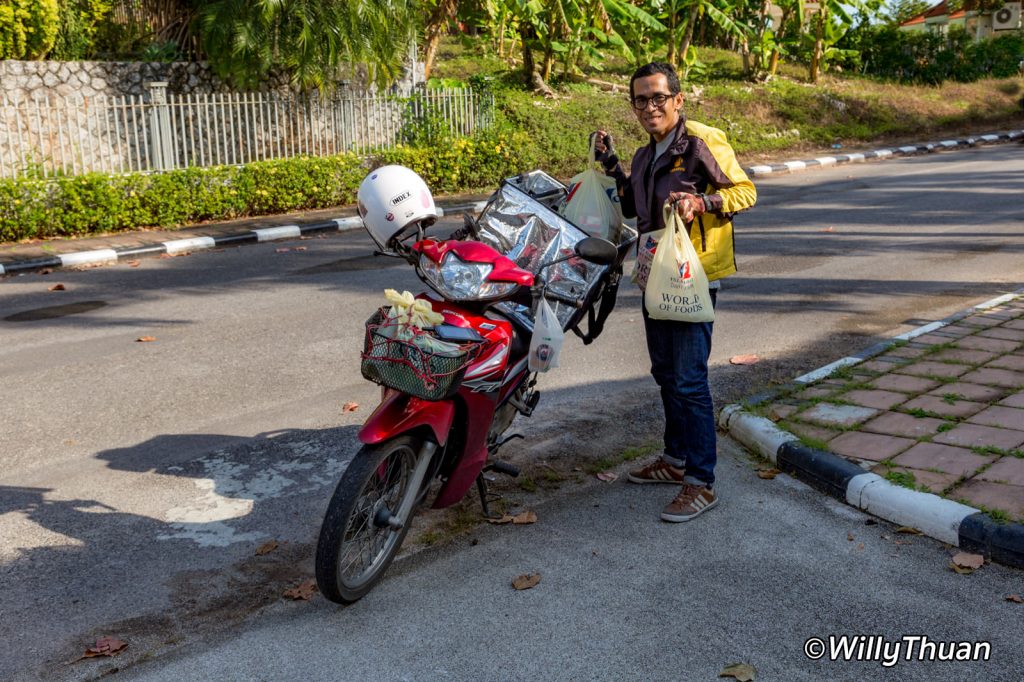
140	477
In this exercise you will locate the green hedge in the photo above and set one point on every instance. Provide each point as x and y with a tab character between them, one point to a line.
34	208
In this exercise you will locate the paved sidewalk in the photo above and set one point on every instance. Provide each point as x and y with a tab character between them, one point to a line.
939	410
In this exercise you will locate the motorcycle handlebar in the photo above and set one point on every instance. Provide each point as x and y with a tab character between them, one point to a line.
569	300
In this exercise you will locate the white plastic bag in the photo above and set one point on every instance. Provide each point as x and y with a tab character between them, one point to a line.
592	202
677	287
547	340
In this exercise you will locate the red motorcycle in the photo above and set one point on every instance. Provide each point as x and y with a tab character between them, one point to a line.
443	415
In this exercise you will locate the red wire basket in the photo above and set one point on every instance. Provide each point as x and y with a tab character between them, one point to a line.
404	365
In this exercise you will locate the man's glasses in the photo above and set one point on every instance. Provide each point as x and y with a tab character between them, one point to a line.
640	103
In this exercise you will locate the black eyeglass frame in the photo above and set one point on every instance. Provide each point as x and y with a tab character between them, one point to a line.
635	101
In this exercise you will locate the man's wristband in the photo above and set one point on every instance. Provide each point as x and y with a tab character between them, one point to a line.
706	200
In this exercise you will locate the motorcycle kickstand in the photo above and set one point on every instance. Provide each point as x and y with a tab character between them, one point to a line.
486	497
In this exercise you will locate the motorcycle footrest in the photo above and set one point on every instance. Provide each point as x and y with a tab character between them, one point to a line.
503	468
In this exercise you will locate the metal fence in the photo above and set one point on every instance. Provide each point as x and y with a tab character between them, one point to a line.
161	131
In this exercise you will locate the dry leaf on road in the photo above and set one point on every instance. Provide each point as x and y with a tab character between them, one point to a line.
266	547
849	537
743	359
743	672
828	229
146	339
1015	598
350	407
965	563
768	474
303	590
301	248
524	518
57	287
908	530
607	476
105	646
132	263
500	520
526	581
281	250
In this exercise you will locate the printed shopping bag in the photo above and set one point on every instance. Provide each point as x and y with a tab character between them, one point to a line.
592	203
546	343
677	287
648	244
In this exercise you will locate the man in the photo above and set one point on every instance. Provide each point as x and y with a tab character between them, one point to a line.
693	165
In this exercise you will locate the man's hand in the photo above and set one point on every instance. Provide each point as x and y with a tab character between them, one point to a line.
689	206
604	153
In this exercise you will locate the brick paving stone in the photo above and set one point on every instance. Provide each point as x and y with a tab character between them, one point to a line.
986	343
971	391
1007	498
869	446
1015	400
880	400
959	330
958	462
907	352
898	424
937	405
878	365
1007	470
812	432
1014	324
781	411
996	377
983	320
977	435
814	392
903	383
935	369
1003	417
968	357
932	481
931	339
1004	334
827	414
1014	362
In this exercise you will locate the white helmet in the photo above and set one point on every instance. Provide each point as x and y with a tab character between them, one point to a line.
392	198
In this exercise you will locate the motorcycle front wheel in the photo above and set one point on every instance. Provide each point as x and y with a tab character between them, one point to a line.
359	537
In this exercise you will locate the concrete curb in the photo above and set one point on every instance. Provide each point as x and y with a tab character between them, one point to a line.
906	150
105	256
345	223
944	520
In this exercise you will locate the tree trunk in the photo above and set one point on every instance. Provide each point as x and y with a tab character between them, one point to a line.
684	47
501	38
526	34
671	58
436	25
773	65
819	43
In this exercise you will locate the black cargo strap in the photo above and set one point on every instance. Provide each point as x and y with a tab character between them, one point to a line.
595	321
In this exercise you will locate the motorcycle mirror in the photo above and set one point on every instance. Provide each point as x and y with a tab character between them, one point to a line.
597	250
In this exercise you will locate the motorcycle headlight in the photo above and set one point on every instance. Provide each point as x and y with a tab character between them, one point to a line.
457	280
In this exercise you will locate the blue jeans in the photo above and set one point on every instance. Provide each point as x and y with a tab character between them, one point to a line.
679	362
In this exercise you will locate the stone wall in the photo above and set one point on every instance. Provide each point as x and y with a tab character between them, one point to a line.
43	79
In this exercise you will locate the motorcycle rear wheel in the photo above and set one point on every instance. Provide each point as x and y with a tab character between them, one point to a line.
356	543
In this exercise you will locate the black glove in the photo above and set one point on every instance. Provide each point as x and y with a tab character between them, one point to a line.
608	158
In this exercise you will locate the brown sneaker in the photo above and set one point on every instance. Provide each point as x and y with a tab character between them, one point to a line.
691	501
658	471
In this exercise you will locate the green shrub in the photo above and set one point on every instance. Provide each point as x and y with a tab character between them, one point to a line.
34	208
28	28
80	21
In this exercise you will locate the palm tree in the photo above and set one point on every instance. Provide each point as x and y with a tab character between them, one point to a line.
310	40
